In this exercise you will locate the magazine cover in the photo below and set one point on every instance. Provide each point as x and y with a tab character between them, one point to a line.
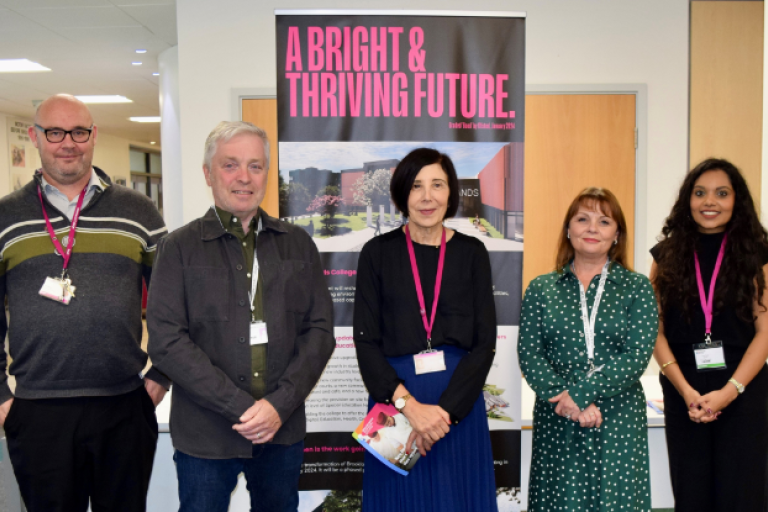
384	432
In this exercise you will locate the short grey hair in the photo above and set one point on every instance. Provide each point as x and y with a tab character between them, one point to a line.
225	131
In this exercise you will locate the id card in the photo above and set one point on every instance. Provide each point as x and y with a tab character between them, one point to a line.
259	333
709	356
429	362
55	289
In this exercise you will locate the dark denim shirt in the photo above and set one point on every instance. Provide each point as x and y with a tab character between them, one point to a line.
198	318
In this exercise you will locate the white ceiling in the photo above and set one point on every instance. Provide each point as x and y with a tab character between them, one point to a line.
89	46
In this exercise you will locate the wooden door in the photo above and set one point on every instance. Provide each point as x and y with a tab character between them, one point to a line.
574	141
263	113
726	119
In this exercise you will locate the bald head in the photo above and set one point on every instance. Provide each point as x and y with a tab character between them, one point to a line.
65	163
66	101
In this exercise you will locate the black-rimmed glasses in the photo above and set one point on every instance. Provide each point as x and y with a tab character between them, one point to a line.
56	135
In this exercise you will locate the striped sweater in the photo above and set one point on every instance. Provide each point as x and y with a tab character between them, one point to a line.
92	347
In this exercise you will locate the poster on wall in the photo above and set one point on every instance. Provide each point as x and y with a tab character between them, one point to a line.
24	158
357	91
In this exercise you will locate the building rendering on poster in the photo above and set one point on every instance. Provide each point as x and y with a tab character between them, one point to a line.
358	90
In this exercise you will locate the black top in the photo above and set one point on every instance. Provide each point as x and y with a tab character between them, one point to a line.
727	326
387	322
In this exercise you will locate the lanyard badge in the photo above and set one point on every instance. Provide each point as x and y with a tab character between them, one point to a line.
589	320
709	355
60	288
430	360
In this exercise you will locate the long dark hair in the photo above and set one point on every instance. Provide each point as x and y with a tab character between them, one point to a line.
741	275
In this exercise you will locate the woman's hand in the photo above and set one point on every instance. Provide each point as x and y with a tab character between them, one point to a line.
431	422
590	417
423	444
566	407
712	404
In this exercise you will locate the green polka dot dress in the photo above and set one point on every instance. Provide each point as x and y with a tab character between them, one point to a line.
589	469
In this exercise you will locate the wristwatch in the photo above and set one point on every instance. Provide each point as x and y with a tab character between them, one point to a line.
400	402
739	385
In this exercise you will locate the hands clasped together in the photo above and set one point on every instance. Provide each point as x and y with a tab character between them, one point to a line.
567	408
430	424
709	407
259	423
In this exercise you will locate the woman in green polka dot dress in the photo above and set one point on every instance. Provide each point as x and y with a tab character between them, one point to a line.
590	440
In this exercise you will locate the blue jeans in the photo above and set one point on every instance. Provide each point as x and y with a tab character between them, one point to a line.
272	478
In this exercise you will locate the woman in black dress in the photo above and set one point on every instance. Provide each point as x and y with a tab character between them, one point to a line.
709	276
393	321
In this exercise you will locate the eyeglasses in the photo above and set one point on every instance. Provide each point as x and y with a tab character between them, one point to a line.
56	135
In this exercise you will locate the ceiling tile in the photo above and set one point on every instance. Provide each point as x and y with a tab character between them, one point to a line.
160	19
76	17
142	2
37	4
130	37
11	21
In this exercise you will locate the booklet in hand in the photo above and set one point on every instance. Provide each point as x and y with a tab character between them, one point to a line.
384	432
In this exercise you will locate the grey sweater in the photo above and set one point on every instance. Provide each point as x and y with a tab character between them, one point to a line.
92	347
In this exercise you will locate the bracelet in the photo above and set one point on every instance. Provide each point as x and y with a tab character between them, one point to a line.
739	385
664	366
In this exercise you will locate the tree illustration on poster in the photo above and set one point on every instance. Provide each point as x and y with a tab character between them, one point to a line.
356	92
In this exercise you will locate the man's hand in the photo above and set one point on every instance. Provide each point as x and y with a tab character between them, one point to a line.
155	391
5	407
259	423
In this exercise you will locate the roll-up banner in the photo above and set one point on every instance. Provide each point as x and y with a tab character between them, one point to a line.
357	91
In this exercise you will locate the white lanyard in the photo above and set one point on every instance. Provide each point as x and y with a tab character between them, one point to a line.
589	320
254	277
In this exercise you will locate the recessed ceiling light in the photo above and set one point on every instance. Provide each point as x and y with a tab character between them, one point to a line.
20	66
149	119
136	63
155	74
153	142
104	98
141	51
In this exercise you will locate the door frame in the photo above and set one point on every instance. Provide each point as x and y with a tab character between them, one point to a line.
641	234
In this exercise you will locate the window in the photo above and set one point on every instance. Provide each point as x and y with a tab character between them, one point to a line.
146	175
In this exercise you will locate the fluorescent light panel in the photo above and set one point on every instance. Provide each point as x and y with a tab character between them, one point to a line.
150	119
20	66
105	98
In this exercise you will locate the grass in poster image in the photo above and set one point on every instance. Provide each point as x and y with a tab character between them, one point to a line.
490	229
340	224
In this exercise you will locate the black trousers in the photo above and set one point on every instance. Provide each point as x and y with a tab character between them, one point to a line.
66	451
720	466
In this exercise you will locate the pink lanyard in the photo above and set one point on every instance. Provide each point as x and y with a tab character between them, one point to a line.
417	280
707	302
72	228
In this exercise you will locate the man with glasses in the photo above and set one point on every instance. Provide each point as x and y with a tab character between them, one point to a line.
74	249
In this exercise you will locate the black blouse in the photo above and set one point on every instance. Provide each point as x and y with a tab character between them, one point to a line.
387	322
727	326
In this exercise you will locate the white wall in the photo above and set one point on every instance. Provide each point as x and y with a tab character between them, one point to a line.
230	44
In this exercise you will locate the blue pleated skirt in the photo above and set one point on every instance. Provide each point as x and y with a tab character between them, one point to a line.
456	475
